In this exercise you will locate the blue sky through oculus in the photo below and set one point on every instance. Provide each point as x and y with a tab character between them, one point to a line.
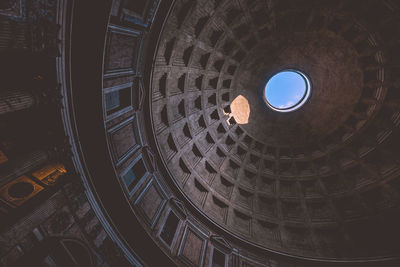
285	89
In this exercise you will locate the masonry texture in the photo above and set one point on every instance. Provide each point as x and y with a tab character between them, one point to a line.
135	133
299	182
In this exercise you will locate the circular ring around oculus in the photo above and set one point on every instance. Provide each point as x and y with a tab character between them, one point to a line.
287	90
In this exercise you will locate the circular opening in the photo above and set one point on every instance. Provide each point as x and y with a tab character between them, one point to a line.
287	90
20	190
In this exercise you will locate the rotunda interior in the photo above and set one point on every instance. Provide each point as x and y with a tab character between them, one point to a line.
156	133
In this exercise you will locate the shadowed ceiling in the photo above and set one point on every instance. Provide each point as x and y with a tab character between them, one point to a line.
319	181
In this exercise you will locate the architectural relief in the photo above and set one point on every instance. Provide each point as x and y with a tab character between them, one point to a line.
143	133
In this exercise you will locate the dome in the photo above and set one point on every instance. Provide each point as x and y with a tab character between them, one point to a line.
200	133
297	182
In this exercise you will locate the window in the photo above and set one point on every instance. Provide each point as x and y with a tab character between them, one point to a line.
136	6
117	100
218	258
169	228
132	176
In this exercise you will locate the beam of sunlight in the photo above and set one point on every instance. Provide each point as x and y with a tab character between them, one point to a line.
240	110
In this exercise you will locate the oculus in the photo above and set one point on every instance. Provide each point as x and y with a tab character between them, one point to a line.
287	90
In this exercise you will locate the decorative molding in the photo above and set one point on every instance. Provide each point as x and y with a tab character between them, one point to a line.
14	9
179	207
141	179
140	202
190	228
123	110
177	231
221	243
119	159
136	36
